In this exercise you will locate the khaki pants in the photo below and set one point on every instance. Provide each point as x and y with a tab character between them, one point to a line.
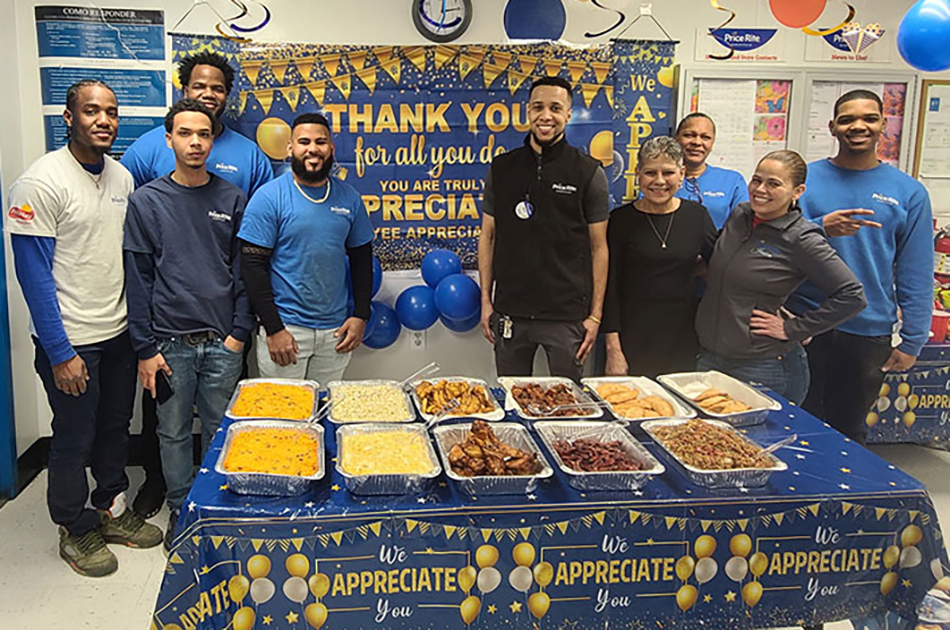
318	359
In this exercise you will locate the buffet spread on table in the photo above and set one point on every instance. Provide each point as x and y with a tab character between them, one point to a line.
618	502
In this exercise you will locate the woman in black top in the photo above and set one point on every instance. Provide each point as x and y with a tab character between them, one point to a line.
655	244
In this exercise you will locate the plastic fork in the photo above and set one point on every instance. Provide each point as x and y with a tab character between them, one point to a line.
783	442
431	368
547	412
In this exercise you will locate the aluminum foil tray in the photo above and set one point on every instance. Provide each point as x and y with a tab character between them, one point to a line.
584	413
730	478
334	387
512	434
496	414
313	386
264	483
551	432
647	387
689	384
386	484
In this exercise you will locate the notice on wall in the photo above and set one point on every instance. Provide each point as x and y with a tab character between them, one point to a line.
125	48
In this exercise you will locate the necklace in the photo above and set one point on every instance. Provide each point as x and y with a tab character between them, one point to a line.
669	226
325	196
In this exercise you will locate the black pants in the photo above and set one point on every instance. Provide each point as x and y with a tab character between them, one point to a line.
514	356
89	430
846	377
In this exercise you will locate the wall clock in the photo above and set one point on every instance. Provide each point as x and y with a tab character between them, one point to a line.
441	21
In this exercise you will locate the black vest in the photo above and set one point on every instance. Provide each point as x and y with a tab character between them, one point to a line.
542	264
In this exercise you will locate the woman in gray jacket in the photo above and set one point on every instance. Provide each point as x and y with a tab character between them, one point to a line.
766	249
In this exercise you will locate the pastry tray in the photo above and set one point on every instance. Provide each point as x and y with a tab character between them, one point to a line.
647	387
334	386
495	415
583	413
689	384
386	484
723	478
313	386
267	483
512	434
551	432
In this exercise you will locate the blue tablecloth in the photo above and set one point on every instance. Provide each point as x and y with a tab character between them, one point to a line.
841	534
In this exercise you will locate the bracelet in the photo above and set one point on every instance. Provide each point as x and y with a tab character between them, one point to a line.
593	319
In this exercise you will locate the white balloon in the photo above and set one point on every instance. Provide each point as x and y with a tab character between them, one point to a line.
900	404
488	579
737	568
883	404
706	570
936	567
910	557
521	579
262	590
296	589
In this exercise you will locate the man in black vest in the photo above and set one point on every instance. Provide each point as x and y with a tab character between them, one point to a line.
542	253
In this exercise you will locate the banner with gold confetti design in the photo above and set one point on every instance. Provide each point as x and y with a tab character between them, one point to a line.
415	127
840	534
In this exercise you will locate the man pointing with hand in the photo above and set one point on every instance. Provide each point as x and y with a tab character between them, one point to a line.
886	215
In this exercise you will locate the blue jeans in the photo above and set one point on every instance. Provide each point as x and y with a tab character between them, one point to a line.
202	375
89	430
787	375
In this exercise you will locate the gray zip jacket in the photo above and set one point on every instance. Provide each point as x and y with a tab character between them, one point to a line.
758	268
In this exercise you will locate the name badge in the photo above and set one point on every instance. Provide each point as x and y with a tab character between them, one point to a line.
524	210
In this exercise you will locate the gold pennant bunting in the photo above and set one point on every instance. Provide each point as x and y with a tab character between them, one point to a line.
717	526
376	527
589	92
417	56
444	54
563	526
528	64
266	99
587	520
449	530
363	531
424	527
257	543
324	540
357	58
331	63
549	528
499	534
879	513
846	507
501	58
515	80
292	95
344	84
196	540
634	516
243	102
552	67
779	517
599	517
337	538
279	68
814	508
486	535
368	77
525	532
318	90
216	541
411	525
609	93
705	525
765	520
270	544
467	63
297	543
913	515
176	559
393	68
383	55
285	545
490	72
251	70
576	70
601	70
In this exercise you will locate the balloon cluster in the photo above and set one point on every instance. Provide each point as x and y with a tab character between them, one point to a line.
261	589
447	295
523	577
907	556
741	564
703	567
922	36
905	405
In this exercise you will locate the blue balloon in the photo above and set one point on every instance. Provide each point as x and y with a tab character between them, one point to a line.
384	330
464	325
377	275
438	264
458	297
535	19
416	307
923	35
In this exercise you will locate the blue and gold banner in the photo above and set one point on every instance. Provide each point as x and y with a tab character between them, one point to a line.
416	127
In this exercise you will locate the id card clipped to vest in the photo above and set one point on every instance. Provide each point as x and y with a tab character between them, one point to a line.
524	210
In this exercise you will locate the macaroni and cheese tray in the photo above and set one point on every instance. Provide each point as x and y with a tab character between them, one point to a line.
385	458
275	398
369	401
272	457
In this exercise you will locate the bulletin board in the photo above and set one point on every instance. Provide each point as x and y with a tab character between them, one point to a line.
932	159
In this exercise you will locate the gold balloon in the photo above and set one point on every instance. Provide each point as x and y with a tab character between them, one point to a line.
297	565
740	545
543	573
152	626
238	587
486	556
686	597
273	135
523	554
319	585
891	555
243	619
258	566
665	76
538	604
871	419
888	582
684	567
470	608
602	147
758	563
903	389
913	400
885	390
752	593
705	546
171	626
911	536
466	578
316	615
909	419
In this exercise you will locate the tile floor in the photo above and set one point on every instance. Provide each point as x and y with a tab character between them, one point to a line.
38	591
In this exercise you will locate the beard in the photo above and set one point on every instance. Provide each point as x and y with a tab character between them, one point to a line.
546	143
312	177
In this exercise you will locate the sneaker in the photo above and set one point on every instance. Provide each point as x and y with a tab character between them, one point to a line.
170	532
128	529
87	554
150	497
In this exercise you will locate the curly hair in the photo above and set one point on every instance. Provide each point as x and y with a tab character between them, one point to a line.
660	147
187	65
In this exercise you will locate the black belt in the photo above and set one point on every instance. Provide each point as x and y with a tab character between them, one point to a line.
193	340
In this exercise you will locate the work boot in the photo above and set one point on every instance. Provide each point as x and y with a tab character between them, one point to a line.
87	554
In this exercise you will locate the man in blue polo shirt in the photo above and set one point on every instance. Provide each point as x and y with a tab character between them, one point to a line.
297	234
189	316
208	78
718	189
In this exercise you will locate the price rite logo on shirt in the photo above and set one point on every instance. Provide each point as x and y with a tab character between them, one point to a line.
24	214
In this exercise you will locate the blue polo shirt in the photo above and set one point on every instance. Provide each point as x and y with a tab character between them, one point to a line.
719	189
309	237
233	158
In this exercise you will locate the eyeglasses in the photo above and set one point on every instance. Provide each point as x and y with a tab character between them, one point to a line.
691	186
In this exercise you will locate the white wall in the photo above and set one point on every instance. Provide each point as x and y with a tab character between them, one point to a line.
358	22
